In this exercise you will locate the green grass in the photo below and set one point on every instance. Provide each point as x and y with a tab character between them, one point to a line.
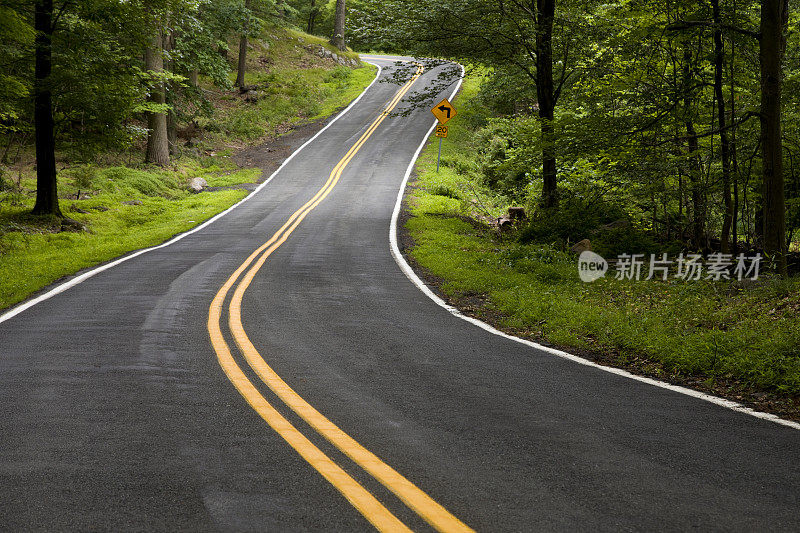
34	253
294	86
292	97
298	86
712	332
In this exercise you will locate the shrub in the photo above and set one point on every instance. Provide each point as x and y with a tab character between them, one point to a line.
612	242
574	220
83	176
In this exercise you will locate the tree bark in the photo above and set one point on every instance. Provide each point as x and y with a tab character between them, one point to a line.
242	67
545	93
242	64
171	94
695	169
734	157
338	26
312	17
46	185
727	201
157	139
770	56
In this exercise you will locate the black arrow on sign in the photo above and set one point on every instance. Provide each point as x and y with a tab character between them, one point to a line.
445	109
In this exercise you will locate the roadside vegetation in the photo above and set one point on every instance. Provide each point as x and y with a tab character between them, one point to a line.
736	338
644	127
112	202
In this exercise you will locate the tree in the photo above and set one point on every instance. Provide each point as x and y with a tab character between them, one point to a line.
719	96
242	65
546	98
773	13
531	38
16	38
338	26
157	151
312	17
46	184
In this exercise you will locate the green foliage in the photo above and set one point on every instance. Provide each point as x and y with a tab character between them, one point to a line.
615	241
746	334
291	97
127	208
84	176
16	37
576	219
634	83
116	228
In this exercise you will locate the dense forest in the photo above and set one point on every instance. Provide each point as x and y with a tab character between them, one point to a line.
88	77
682	114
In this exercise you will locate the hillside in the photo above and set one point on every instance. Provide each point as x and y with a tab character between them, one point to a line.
114	203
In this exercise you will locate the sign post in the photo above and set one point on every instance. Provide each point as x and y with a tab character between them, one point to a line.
443	111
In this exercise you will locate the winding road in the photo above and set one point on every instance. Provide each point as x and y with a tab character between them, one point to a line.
276	370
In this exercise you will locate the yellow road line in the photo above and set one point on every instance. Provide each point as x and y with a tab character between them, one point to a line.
358	496
415	498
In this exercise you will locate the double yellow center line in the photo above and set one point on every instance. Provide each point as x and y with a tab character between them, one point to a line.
367	504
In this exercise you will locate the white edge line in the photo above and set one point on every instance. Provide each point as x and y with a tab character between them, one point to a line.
411	275
14	311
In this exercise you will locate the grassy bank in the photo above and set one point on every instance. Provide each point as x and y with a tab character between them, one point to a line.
733	338
291	85
118	206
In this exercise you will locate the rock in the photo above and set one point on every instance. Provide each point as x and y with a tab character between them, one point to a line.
132	202
582	246
504	223
252	97
198	184
517	213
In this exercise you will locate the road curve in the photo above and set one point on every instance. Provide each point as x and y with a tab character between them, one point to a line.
378	408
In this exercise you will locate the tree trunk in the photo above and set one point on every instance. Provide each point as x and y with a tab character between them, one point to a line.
194	78
46	188
734	157
695	168
545	11
157	140
338	27
312	17
727	218
242	67
171	93
770	55
242	64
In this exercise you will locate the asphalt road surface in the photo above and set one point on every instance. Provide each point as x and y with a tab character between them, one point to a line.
312	386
